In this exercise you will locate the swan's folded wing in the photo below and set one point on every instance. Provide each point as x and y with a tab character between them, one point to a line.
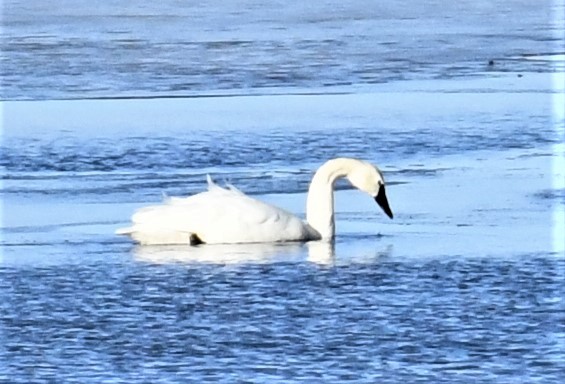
222	216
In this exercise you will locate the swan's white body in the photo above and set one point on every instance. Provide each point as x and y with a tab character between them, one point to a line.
220	216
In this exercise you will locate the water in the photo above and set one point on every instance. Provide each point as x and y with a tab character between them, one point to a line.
384	321
105	109
177	48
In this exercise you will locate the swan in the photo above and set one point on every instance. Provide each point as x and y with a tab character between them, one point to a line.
228	216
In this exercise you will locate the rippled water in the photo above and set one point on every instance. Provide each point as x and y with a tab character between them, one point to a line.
104	111
386	320
121	155
183	48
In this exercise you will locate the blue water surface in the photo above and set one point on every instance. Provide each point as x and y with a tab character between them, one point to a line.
108	106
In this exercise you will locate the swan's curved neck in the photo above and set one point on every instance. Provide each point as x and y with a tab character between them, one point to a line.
320	201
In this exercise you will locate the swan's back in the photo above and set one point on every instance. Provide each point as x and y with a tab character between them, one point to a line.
216	216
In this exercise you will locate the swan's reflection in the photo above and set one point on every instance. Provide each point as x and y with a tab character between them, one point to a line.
220	253
318	252
321	252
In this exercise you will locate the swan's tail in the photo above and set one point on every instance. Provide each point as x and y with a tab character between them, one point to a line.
146	236
124	231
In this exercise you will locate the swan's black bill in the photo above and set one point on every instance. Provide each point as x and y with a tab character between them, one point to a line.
383	202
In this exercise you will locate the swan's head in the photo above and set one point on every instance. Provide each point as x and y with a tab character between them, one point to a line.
369	179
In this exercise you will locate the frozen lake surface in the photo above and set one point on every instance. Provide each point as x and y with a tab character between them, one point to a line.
125	104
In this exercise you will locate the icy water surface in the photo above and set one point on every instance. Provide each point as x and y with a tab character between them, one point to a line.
464	285
72	49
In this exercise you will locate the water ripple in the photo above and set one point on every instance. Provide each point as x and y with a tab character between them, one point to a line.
424	320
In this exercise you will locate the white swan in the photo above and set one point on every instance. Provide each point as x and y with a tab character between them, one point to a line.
229	216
